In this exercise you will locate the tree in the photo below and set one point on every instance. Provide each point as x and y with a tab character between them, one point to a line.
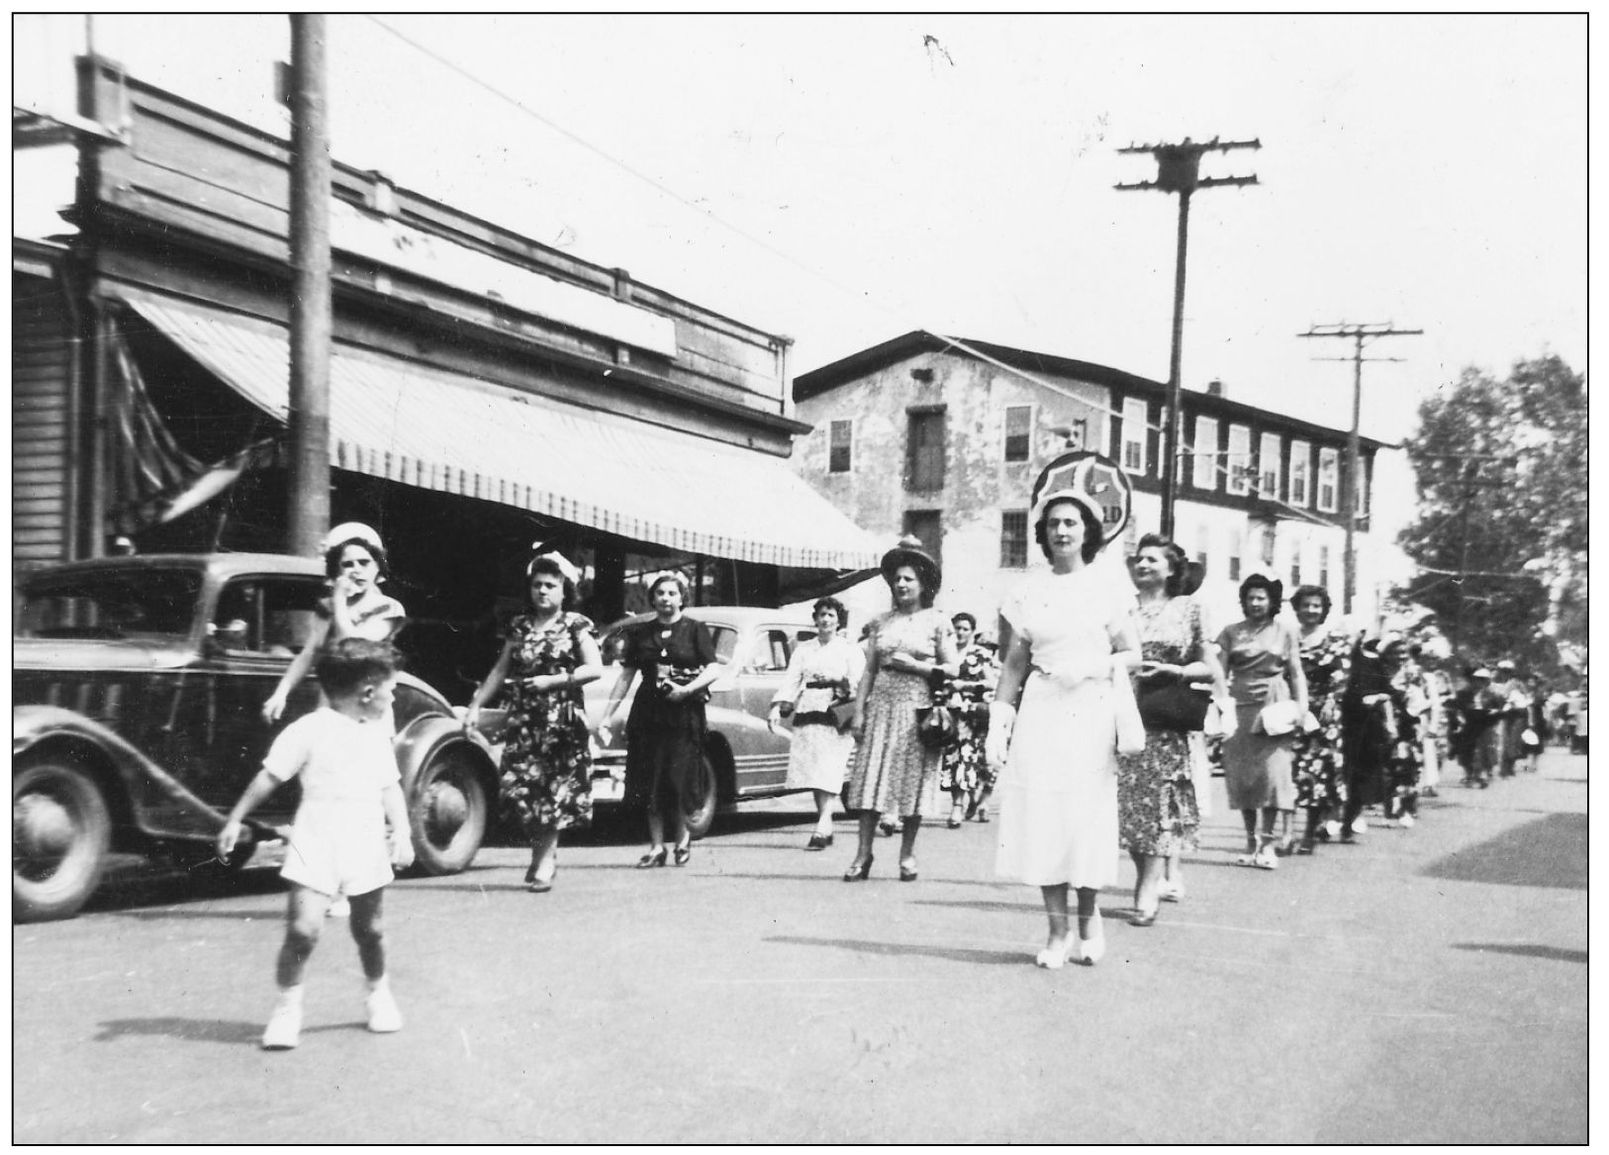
1501	533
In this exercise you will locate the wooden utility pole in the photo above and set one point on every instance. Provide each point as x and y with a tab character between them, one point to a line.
309	488
1349	482
1179	171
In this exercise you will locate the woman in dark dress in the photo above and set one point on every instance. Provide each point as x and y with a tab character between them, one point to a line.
675	657
547	760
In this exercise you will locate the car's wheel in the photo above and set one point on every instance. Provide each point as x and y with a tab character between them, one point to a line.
448	811
60	831
702	798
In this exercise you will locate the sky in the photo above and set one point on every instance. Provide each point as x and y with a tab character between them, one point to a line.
845	179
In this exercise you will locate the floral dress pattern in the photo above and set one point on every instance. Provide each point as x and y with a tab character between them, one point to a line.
547	762
892	772
965	770
1318	766
1156	794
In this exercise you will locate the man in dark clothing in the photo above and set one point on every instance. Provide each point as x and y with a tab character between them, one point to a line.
1477	738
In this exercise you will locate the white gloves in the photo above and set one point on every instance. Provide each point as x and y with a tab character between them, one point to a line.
1002	718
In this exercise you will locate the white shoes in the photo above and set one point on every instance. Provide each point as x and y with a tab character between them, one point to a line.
284	1029
1092	949
1053	960
1406	822
1170	891
384	1017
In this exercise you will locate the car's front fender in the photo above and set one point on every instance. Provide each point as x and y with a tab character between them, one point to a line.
424	736
157	804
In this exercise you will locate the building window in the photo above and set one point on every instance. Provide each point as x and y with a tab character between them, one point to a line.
1360	491
1239	459
1206	459
924	450
1014	539
1019	432
1134	434
1268	547
925	525
1203	540
1301	454
1324	566
1236	542
838	442
1268	466
1328	471
1296	567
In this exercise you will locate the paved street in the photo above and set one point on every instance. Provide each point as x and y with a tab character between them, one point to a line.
1423	986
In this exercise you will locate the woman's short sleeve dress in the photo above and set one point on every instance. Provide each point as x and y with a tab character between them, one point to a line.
665	739
1157	811
1257	768
547	760
1058	791
819	677
892	772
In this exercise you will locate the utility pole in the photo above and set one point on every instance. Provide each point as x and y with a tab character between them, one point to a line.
309	482
1349	487
1179	171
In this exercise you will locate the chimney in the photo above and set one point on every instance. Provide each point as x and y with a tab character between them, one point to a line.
1215	388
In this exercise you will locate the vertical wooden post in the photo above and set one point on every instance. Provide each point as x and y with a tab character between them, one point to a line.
309	489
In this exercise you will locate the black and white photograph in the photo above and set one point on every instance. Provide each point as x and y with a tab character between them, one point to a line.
803	578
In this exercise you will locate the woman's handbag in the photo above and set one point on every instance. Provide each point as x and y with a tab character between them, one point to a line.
1173	705
935	727
843	716
1278	719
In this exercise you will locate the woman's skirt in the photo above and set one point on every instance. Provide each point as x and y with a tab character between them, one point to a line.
892	772
1257	768
818	758
1156	796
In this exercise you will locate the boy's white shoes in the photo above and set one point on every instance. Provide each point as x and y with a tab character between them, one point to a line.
284	1028
384	1017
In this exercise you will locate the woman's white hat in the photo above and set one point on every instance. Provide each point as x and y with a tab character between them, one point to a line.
352	531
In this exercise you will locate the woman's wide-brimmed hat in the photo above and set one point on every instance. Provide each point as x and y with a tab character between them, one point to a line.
352	531
909	552
1095	482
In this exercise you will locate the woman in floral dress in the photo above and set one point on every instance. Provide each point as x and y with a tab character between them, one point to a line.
908	649
547	762
966	773
1156	796
1317	763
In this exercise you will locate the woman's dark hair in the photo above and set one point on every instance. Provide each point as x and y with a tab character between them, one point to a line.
332	556
836	607
1319	592
1176	560
968	618
926	596
1092	530
542	565
1274	590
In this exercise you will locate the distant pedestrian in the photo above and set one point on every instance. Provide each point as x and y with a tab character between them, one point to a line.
666	731
1516	705
550	654
351	793
1317	770
966	773
1158	816
823	674
1263	659
1072	642
1477	740
909	651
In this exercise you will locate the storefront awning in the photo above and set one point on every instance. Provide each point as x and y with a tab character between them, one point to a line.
456	434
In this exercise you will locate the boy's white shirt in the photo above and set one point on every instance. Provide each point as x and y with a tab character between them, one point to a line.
338	758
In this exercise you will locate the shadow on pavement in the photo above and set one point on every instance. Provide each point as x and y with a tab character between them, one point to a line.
190	1030
954	954
1528	950
1550	851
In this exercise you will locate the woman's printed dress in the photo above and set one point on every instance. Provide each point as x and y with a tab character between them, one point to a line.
1156	794
965	770
1318	765
547	762
892	772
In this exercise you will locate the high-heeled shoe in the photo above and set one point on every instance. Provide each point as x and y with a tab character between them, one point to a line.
683	853
1092	949
1144	918
859	873
907	873
1054	960
654	858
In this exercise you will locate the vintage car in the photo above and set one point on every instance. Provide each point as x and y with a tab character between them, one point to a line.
138	685
744	760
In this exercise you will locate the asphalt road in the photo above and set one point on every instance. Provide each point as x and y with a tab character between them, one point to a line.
1424	986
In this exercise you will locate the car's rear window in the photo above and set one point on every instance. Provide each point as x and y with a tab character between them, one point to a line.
143	603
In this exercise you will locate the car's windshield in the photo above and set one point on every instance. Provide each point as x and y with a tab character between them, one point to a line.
135	603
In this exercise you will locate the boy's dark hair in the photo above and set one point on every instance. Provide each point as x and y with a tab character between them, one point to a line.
345	665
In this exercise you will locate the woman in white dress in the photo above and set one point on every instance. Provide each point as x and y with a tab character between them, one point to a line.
822	674
1072	642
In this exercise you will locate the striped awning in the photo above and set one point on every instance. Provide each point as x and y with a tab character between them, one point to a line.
457	434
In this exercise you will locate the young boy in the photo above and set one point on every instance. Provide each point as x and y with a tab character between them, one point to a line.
338	842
